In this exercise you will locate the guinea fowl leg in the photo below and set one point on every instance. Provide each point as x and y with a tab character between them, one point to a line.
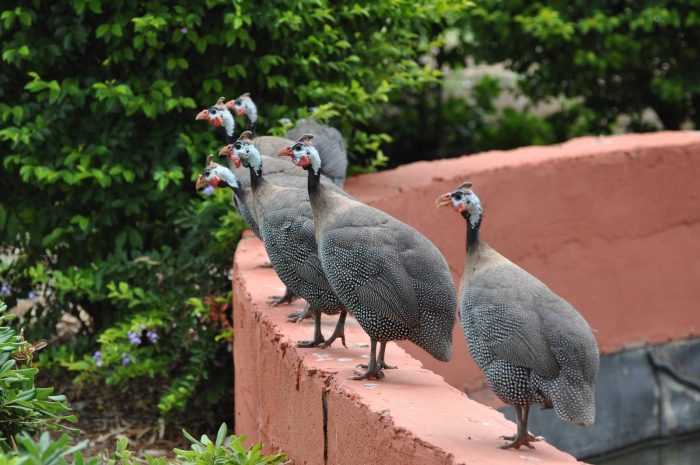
318	336
522	438
284	299
373	371
380	360
339	331
296	317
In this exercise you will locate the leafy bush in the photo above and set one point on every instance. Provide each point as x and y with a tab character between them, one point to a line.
24	408
620	57
203	452
98	218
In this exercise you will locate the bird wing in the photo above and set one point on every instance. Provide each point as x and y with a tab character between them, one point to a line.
509	320
310	269
379	279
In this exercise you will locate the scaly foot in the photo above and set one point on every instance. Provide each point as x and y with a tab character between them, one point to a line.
288	297
296	317
368	374
313	343
518	441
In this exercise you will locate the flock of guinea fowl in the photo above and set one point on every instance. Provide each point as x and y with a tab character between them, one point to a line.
341	256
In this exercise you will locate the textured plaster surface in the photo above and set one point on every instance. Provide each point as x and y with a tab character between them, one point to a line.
301	401
612	224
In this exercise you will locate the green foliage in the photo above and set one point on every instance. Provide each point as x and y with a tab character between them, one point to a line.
206	452
203	452
98	215
24	408
621	57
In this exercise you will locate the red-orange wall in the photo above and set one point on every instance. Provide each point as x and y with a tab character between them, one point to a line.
611	224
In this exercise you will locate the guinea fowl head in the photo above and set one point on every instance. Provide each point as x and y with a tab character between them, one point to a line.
217	116
465	201
216	175
303	154
244	106
243	152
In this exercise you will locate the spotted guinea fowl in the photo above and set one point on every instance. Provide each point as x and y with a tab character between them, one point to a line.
532	345
328	140
390	277
286	224
220	117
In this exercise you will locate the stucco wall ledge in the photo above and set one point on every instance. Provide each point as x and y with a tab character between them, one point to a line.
300	401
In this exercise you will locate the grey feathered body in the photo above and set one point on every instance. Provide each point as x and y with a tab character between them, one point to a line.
286	222
391	278
278	169
532	345
330	145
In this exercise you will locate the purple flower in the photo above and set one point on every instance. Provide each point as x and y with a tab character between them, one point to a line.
97	357
209	190
134	338
285	121
125	359
184	31
5	290
31	296
152	336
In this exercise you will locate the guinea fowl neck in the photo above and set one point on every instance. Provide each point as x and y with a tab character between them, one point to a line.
229	128
251	125
314	185
472	231
256	176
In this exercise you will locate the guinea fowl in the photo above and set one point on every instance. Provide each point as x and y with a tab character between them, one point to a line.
328	140
244	106
219	116
532	345
390	277
286	224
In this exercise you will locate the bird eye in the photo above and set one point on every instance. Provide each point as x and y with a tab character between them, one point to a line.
237	146
297	147
457	196
207	173
212	111
238	102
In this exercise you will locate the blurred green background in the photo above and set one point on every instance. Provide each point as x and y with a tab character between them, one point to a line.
107	250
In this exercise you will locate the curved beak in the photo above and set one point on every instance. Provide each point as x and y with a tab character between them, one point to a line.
226	151
204	114
445	200
286	152
201	182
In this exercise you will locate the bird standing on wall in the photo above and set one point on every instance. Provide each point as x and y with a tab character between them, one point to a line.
328	141
287	227
532	345
390	277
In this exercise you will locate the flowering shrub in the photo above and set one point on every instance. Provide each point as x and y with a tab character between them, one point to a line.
98	215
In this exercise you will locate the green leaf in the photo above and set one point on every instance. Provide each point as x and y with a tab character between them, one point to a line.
102	30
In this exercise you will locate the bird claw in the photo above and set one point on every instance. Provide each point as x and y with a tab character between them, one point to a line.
332	339
287	298
368	374
518	441
309	344
296	317
381	365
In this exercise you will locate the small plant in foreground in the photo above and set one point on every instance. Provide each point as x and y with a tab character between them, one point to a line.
24	408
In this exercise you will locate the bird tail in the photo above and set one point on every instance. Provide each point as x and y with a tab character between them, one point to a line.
573	398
